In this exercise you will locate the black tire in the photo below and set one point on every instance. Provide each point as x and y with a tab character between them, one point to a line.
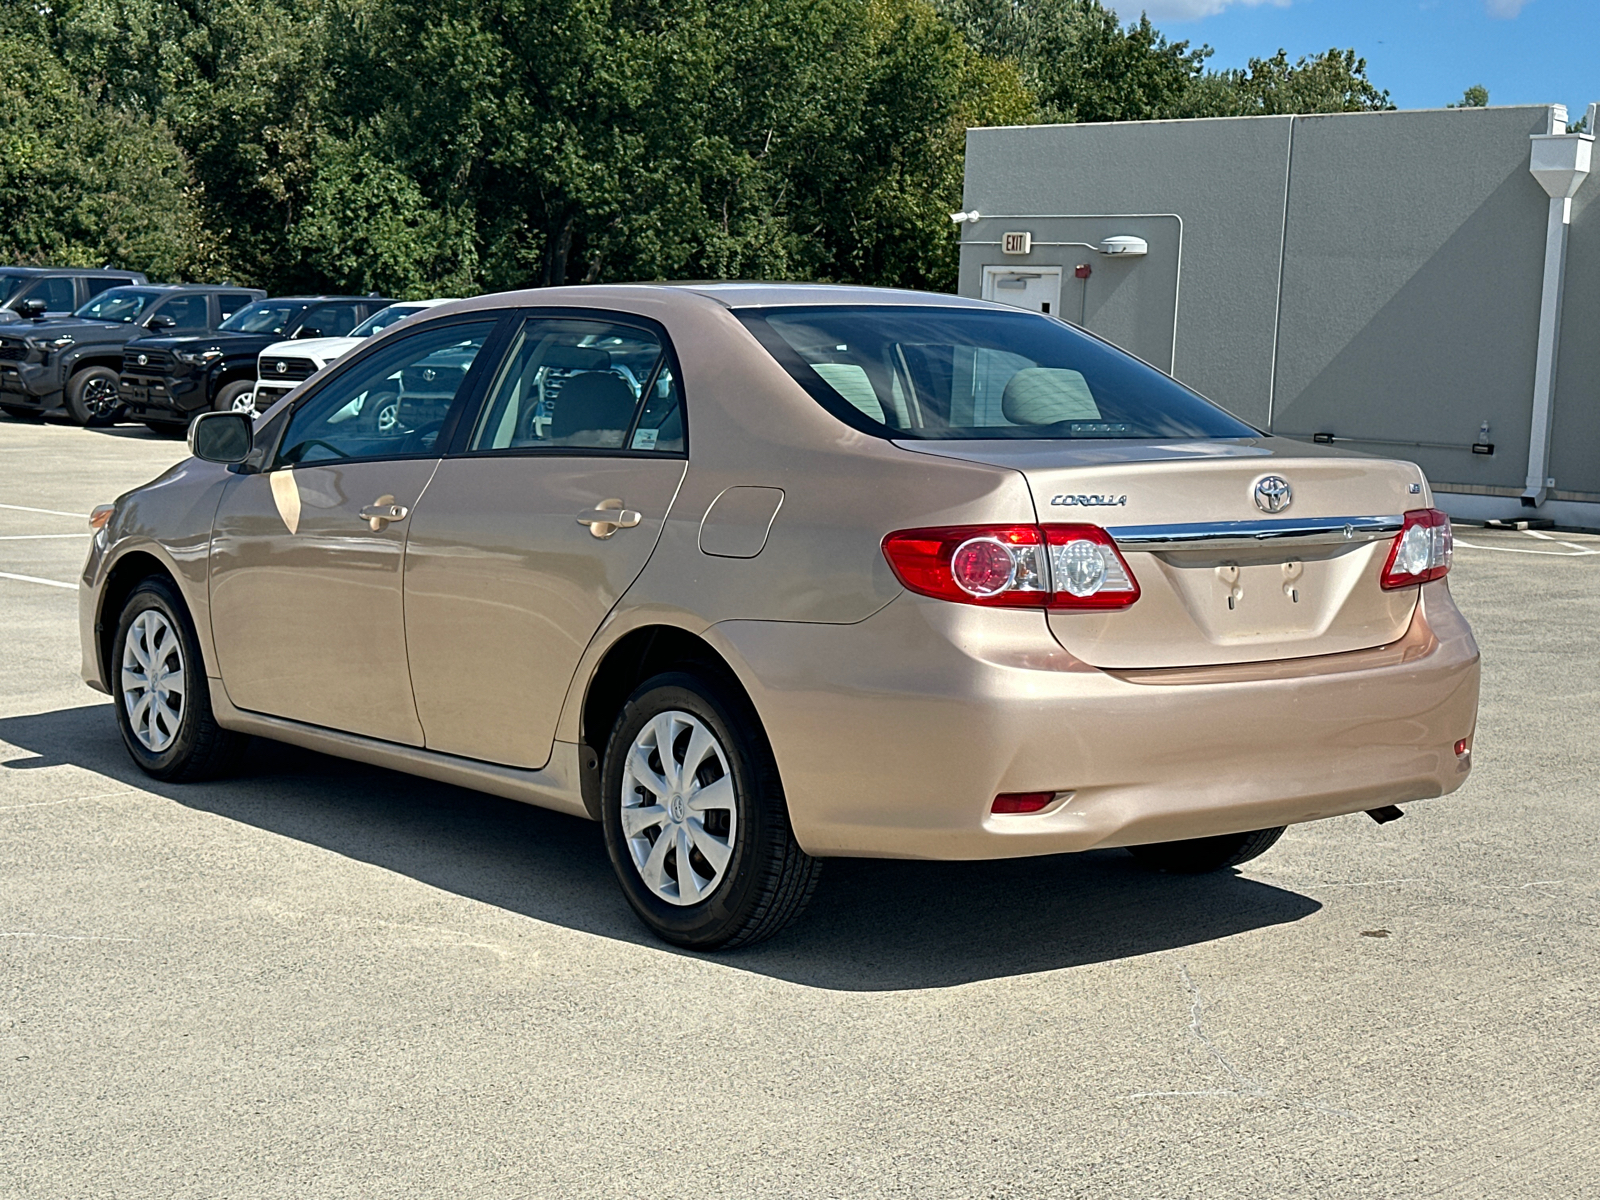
1200	856
93	397
230	393
18	413
198	748
767	880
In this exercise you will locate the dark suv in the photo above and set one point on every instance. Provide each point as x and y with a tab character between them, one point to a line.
54	291
72	362
166	380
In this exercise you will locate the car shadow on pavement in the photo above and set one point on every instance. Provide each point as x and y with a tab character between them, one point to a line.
874	925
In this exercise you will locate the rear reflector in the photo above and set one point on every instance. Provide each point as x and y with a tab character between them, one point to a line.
1422	551
1462	747
1014	566
1022	802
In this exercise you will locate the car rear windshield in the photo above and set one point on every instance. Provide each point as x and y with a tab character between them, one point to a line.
969	373
264	316
118	304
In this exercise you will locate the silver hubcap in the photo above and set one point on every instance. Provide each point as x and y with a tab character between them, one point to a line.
152	680
678	813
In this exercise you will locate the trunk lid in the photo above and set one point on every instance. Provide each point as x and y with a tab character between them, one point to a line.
1224	580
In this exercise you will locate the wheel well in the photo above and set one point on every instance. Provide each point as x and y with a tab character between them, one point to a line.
130	571
80	364
635	658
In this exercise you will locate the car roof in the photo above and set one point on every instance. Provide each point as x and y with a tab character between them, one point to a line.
768	295
313	299
189	287
90	271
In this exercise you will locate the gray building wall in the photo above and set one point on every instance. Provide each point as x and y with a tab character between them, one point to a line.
1375	276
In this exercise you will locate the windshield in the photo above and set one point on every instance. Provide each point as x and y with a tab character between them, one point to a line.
118	304
384	318
9	285
265	316
968	374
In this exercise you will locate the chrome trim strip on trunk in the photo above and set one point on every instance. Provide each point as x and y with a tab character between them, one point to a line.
1241	535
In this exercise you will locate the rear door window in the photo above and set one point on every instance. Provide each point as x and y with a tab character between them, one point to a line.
586	386
232	302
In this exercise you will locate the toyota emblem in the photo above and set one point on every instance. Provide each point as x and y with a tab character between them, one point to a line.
144	360
1273	494
283	367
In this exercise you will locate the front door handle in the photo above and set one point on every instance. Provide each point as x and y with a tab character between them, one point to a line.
381	511
607	517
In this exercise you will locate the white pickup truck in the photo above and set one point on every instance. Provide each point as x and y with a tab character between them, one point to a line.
284	366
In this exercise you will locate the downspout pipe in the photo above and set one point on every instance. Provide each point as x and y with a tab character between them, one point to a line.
1560	162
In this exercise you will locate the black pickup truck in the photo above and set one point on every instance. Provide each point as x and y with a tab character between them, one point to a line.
166	380
72	362
55	291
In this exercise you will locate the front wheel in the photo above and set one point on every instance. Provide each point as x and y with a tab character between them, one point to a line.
695	819
162	698
93	397
239	396
1199	856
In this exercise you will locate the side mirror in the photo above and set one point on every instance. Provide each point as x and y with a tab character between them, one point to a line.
221	437
307	331
32	309
161	321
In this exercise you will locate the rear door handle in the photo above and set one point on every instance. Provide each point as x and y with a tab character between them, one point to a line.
381	511
607	517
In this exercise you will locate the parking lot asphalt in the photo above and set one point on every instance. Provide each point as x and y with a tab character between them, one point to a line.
319	979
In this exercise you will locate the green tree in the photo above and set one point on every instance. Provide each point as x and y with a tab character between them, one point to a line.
85	183
1476	96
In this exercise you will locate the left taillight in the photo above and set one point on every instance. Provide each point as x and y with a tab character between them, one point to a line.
1014	566
1421	551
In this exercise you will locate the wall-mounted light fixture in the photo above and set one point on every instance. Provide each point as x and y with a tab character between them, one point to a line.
961	218
1125	246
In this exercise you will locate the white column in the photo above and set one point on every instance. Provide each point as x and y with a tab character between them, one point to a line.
1560	162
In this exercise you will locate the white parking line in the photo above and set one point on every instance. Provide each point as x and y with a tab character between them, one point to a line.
51	512
1575	552
36	579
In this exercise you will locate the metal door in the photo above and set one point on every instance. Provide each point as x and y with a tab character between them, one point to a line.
1037	289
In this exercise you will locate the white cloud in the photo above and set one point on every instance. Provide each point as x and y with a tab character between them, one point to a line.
1193	10
1504	8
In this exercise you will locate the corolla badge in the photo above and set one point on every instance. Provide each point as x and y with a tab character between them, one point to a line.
1088	501
1272	493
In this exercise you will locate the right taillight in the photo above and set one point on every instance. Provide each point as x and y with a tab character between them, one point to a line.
1422	550
1014	566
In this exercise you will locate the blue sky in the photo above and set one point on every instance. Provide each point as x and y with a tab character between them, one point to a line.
1425	52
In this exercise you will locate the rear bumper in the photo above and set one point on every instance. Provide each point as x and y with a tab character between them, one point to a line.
894	735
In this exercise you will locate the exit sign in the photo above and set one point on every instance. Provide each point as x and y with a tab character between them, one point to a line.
1016	243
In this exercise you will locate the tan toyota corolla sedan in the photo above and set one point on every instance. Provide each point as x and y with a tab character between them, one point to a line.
756	575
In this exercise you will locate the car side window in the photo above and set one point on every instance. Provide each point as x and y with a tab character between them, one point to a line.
330	320
571	384
389	404
232	302
98	283
58	295
187	312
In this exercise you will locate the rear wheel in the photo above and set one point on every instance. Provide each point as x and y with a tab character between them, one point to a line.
695	818
93	397
1198	856
238	396
162	698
